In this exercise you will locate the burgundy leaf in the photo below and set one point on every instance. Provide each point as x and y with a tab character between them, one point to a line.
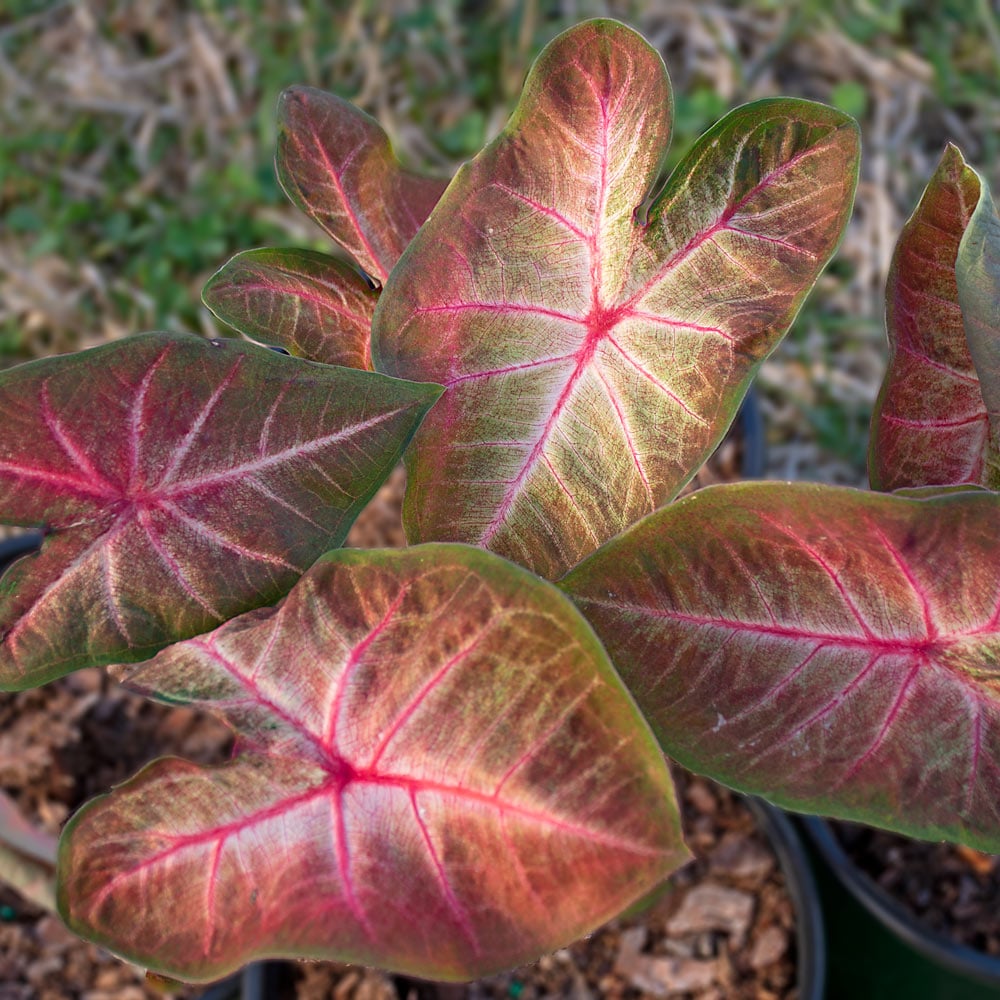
179	481
336	164
930	424
313	305
594	352
438	773
833	650
978	276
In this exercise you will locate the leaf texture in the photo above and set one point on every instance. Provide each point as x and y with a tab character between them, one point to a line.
438	772
832	650
930	424
178	481
336	164
594	346
310	304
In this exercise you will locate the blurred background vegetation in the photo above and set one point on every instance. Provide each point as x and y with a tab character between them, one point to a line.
137	136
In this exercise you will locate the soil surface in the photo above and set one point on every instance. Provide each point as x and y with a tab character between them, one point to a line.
950	888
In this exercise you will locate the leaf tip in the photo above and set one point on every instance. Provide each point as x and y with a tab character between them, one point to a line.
292	99
952	157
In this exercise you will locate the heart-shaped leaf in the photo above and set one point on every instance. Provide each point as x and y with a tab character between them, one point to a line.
179	481
833	650
313	305
438	772
977	270
336	164
594	352
930	424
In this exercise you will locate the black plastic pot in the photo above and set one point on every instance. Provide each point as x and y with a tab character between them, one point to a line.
810	937
751	423
260	981
878	948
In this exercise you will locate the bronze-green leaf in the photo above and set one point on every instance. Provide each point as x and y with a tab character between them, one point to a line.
438	773
594	346
930	425
833	650
314	306
977	271
336	164
178	481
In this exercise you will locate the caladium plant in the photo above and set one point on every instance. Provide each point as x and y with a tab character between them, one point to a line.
438	771
443	762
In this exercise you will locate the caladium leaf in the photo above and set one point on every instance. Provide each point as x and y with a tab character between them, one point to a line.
977	269
438	772
311	304
595	352
336	164
179	481
832	650
930	424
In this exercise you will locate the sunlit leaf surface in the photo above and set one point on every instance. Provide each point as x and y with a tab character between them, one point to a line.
178	481
832	650
437	772
594	347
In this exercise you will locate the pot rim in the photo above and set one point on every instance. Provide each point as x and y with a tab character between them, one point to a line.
800	883
893	914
